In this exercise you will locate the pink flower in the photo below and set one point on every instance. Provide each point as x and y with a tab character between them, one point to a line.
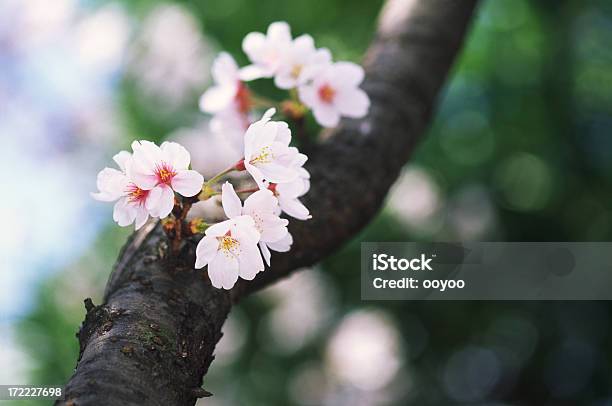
115	185
265	51
299	62
262	206
163	171
228	93
334	92
267	154
230	250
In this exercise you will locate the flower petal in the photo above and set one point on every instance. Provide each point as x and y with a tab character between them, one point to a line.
161	203
206	251
250	261
187	183
122	158
279	31
217	98
124	213
353	103
282	245
253	72
112	184
223	271
230	200
224	69
176	155
219	229
294	208
326	115
347	74
142	215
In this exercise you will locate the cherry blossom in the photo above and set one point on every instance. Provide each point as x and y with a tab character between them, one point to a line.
262	206
230	250
228	89
229	100
265	51
334	92
115	185
267	154
299	62
162	171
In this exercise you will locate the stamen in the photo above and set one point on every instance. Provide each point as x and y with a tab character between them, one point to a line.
229	245
327	93
136	194
265	156
164	173
296	70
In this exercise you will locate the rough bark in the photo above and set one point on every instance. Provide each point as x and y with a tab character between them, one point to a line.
152	340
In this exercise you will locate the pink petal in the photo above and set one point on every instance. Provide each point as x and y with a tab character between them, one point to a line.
230	200
250	261
160	201
282	245
326	115
187	183
142	215
353	103
206	251
124	213
295	208
176	155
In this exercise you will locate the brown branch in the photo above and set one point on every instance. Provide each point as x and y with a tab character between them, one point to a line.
152	340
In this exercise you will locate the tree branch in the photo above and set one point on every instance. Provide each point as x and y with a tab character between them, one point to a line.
152	340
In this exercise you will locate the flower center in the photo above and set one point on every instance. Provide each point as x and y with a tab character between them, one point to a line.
164	173
136	195
265	156
327	93
229	245
243	98
296	70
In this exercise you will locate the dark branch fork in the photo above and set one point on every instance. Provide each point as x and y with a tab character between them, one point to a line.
152	340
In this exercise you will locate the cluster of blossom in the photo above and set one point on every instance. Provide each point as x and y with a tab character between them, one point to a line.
155	181
330	89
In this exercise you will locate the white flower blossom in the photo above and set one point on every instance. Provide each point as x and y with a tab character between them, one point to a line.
163	171
334	92
262	206
230	250
228	92
265	51
267	154
115	185
299	62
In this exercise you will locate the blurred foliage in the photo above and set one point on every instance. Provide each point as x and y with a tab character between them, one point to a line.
524	122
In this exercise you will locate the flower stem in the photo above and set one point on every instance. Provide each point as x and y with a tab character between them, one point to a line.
218	176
